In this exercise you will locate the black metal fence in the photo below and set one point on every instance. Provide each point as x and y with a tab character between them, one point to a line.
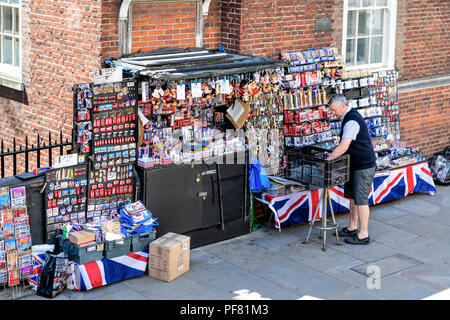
9	158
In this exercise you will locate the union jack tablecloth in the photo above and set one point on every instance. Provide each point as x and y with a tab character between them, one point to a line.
299	207
98	273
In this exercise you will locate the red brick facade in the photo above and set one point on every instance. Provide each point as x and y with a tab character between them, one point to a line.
64	41
422	41
423	118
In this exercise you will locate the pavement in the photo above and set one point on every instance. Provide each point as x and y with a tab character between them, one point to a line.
408	258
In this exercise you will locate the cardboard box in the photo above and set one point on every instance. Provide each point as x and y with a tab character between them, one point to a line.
169	256
82	236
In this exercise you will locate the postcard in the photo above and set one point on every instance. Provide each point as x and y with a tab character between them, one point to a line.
13	277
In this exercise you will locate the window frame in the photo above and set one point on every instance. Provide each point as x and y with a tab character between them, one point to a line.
390	26
11	75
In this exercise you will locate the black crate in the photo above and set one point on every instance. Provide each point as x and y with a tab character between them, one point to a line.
141	241
117	248
308	166
82	254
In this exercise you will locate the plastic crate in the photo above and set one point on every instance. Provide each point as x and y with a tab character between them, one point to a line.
141	241
117	248
308	166
82	254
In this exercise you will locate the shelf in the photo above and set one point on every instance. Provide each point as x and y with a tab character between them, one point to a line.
296	122
305	107
311	85
306	135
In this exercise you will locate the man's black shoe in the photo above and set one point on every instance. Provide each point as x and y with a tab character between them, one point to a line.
355	240
344	232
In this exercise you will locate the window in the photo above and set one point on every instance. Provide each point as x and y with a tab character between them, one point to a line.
10	41
369	33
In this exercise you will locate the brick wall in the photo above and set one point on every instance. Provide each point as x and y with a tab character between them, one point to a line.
423	119
163	25
63	42
266	27
423	35
212	25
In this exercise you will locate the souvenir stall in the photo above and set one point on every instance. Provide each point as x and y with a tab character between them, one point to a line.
314	75
94	225
201	113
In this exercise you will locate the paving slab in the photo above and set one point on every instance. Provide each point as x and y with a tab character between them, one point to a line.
354	294
421	226
345	273
397	238
224	277
432	276
389	265
311	254
395	287
155	289
417	293
301	279
386	211
427	250
376	251
244	253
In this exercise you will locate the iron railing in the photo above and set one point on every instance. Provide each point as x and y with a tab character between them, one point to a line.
12	154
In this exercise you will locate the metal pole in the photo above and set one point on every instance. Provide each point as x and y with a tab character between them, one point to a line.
50	149
26	154
14	157
38	154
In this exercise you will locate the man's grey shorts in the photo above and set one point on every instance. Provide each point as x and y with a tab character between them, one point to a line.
358	187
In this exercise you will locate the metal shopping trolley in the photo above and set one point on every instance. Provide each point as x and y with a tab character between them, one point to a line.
308	166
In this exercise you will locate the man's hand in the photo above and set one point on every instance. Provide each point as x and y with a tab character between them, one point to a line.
340	149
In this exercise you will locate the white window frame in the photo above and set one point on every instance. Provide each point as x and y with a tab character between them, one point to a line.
11	76
390	26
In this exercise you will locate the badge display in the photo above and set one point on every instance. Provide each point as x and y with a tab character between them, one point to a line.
65	197
114	148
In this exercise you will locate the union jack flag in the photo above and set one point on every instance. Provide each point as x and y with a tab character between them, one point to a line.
98	273
106	271
299	207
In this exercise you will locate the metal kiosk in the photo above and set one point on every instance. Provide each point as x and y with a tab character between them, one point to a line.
308	166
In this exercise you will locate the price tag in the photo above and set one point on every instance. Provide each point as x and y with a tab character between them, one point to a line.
107	75
66	160
196	90
145	91
181	92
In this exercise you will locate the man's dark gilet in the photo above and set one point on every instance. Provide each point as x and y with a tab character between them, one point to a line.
362	155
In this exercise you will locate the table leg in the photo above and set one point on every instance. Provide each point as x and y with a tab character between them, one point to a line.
314	220
334	221
324	219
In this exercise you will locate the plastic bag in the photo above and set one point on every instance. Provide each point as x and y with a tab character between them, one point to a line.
258	178
53	278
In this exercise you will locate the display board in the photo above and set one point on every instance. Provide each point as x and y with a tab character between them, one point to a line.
15	237
65	197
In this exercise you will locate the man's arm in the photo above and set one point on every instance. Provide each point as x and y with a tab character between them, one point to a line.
340	149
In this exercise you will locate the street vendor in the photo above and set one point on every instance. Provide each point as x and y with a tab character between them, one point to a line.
355	141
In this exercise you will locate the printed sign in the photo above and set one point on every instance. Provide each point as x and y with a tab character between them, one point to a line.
66	160
107	75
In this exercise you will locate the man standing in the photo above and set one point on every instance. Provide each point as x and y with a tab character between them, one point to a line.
355	141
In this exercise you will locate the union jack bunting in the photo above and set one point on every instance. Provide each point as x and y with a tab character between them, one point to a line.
299	207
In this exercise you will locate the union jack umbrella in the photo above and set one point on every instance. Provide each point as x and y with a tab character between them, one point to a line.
299	207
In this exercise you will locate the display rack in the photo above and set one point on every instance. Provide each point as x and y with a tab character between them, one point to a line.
185	97
310	78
